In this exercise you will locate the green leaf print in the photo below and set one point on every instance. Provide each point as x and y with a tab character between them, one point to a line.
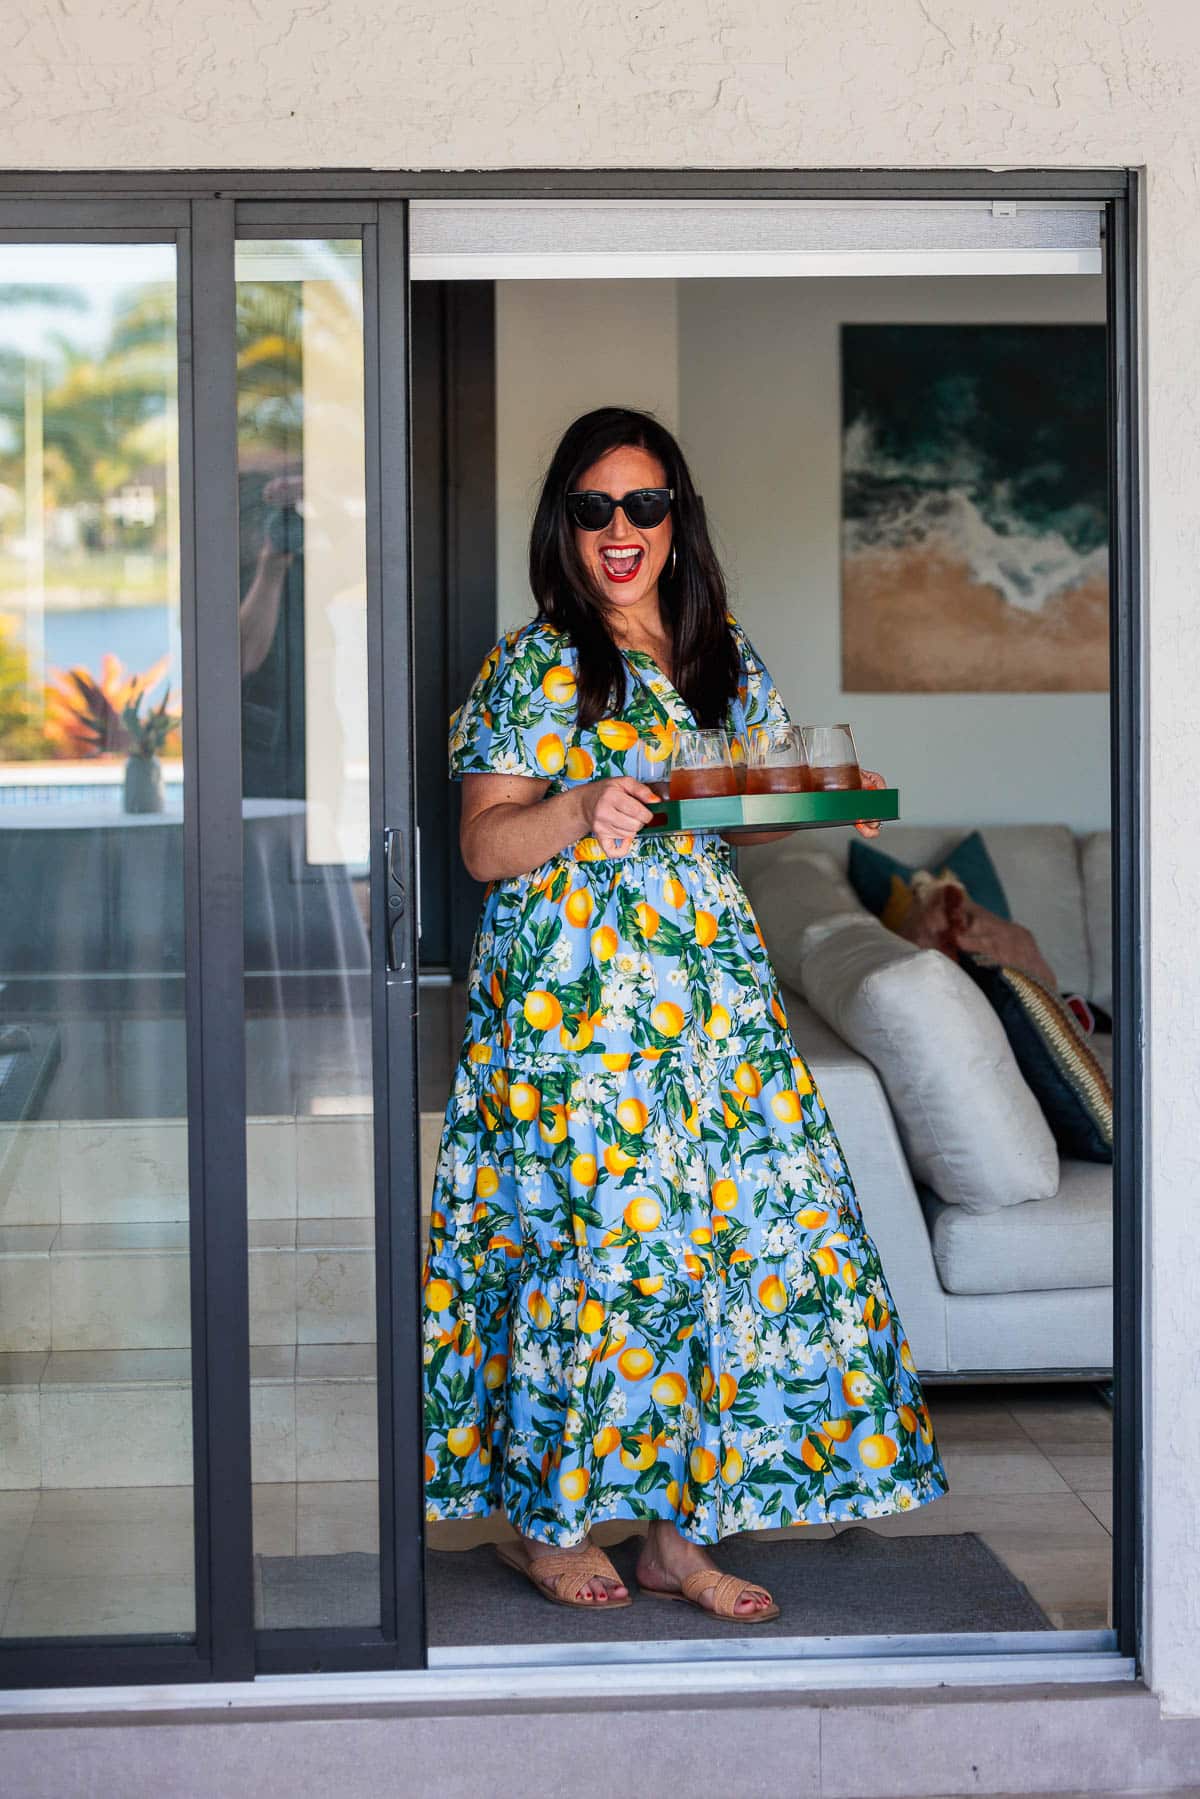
619	1341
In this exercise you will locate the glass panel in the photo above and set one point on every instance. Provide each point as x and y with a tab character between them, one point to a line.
301	439
95	1388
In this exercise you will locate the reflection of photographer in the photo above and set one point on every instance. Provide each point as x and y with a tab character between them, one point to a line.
271	618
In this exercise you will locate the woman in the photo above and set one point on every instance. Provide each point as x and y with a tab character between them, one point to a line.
649	1293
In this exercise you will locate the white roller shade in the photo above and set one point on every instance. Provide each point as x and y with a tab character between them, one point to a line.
615	239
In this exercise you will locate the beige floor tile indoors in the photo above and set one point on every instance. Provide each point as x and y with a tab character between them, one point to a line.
1029	1471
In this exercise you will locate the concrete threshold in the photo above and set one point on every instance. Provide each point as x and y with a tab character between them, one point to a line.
919	1743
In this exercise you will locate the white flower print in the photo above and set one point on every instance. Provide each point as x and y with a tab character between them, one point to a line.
619	1193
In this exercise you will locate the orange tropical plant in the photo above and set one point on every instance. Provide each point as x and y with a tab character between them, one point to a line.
88	715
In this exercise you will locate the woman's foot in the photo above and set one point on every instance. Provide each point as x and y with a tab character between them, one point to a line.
667	1559
593	1590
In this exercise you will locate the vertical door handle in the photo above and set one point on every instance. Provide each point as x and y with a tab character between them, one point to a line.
417	828
397	898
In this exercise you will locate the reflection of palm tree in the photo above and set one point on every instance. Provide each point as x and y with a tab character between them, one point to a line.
107	412
270	421
270	394
104	416
13	297
107	418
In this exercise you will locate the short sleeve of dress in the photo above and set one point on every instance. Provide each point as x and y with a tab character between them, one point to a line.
760	700
514	719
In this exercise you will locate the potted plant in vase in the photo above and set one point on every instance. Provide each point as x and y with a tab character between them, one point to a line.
147	733
103	716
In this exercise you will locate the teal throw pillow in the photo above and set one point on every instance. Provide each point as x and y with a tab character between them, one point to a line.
884	885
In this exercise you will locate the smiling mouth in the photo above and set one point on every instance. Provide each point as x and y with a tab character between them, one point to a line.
621	565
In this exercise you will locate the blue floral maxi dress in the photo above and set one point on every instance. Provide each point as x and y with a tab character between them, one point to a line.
649	1291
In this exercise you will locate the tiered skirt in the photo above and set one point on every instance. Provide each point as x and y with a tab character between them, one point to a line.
649	1291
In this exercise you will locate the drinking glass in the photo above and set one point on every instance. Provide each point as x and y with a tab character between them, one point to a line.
654	771
701	766
832	758
739	755
778	760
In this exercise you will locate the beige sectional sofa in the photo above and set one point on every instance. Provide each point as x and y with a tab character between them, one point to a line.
998	1251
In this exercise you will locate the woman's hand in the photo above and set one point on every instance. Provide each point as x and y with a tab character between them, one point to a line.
615	809
870	827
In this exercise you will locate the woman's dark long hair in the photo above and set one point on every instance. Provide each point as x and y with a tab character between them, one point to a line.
705	661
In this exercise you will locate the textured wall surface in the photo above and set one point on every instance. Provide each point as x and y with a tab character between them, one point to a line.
747	83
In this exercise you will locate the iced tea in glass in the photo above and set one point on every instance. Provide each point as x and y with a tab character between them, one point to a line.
833	765
778	761
702	766
653	770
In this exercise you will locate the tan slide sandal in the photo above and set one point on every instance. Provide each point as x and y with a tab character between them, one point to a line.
726	1590
566	1570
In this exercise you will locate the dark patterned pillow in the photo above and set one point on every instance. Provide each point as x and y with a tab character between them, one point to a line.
1052	1054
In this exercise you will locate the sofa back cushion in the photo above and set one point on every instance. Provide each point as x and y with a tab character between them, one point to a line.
1095	858
971	1127
884	884
1039	865
1039	869
794	886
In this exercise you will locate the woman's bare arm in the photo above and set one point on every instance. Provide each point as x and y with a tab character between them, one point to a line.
509	826
258	614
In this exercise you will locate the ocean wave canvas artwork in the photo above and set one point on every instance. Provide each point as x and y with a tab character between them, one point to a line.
974	509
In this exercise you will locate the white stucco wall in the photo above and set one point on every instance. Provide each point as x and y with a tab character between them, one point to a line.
723	83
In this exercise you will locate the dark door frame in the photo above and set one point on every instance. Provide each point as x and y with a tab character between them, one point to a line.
452	330
197	209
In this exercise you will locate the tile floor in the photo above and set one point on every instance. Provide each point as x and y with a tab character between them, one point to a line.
1029	1469
118	1067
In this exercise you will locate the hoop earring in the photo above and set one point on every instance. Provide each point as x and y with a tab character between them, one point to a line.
674	559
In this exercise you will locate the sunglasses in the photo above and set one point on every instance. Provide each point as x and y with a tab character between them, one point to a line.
644	507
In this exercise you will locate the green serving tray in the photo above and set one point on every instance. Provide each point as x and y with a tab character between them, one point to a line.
776	811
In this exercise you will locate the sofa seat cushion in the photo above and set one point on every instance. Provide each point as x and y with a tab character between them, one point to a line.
971	1128
1044	1243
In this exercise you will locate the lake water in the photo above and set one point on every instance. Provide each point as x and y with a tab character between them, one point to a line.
137	635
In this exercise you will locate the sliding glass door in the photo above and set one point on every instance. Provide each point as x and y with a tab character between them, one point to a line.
96	1402
208	1426
210	1361
321	885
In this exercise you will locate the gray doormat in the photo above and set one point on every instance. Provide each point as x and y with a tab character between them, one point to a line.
857	1583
